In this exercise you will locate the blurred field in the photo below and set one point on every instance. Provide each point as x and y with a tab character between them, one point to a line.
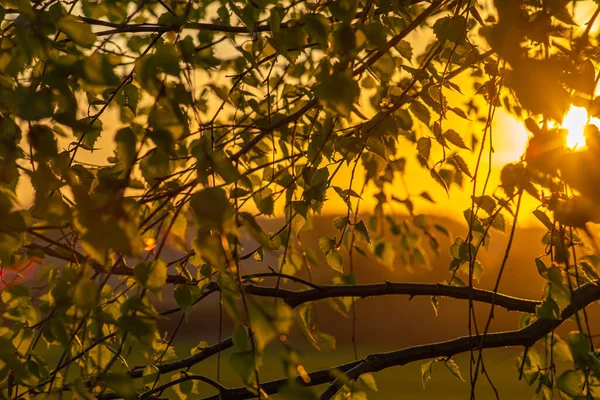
398	382
387	323
396	322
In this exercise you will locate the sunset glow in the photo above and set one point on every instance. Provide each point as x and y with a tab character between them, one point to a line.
575	122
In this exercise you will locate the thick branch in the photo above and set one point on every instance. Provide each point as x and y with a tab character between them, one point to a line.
295	298
160	389
527	337
186	362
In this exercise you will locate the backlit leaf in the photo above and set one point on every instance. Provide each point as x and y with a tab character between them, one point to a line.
78	31
151	274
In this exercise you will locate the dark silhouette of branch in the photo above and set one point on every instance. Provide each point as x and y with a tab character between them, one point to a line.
188	361
526	337
201	26
295	298
159	389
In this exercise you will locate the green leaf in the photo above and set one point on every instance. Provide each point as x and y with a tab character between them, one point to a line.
427	197
126	146
78	31
150	374
579	343
155	166
435	305
362	232
461	164
338	93
499	223
43	141
335	260
541	267
544	219
243	363
88	132
185	296
424	147
36	105
185	388
151	274
85	294
369	381
257	231
131	96
571	382
548	309
385	252
343	10
453	367
442	229
340	222
451	29
326	244
344	40
427	371
317	26
264	201
454	137
167	58
167	119
15	296
421	112
538	86
224	167
211	207
268	321
436	176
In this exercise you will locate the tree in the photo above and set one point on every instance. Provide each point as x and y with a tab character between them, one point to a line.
221	114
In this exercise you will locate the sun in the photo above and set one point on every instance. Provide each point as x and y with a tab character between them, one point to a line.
574	122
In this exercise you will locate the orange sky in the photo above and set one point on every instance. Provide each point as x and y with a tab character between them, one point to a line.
509	139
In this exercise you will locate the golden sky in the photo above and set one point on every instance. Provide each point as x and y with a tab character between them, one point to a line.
509	138
509	141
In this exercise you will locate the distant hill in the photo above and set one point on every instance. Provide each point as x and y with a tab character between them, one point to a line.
391	321
397	321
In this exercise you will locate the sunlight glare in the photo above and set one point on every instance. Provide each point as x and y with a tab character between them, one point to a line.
575	122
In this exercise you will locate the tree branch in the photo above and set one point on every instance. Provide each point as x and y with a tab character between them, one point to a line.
202	26
121	270
295	298
188	361
222	389
527	337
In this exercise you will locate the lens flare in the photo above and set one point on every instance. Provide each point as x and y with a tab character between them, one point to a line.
575	122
